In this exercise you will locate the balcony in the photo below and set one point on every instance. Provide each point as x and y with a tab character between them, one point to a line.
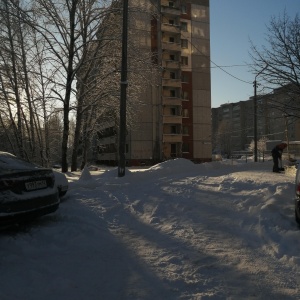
170	28
171	82
172	101
173	11
172	119
170	64
172	138
171	46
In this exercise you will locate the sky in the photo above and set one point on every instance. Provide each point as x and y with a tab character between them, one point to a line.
176	231
233	23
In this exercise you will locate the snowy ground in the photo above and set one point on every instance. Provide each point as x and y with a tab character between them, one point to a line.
174	231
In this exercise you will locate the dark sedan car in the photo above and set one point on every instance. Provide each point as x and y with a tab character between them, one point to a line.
26	190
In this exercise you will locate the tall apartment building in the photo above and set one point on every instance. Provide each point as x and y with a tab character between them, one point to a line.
173	115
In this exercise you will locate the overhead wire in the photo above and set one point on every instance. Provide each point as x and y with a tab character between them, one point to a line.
215	65
221	67
211	61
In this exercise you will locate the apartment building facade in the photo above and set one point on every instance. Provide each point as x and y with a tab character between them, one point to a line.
277	119
232	126
172	118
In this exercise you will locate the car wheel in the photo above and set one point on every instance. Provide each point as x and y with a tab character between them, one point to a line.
297	217
61	194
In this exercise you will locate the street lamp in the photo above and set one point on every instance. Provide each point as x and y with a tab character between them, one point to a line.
255	113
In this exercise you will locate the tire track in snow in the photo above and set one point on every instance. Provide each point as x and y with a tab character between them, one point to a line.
201	251
259	262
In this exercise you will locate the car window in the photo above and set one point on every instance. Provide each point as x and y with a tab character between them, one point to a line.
10	162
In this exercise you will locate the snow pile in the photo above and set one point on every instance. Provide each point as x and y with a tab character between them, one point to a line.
222	230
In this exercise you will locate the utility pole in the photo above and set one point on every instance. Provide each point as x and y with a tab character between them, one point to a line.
255	113
255	120
287	134
123	96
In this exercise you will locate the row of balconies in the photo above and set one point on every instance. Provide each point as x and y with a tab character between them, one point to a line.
173	123
171	42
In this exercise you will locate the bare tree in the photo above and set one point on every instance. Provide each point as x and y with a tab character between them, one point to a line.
96	83
51	64
278	62
223	138
99	76
25	83
10	61
67	27
261	147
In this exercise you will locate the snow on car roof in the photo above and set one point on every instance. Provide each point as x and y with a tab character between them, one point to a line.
10	162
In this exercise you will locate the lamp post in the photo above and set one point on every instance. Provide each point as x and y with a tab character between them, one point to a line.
255	113
123	96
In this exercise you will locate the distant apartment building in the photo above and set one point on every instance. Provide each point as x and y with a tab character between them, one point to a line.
232	126
171	117
233	123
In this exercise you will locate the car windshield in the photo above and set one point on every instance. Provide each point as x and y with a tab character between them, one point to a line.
11	162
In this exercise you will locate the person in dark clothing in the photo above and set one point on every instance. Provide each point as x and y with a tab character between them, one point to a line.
276	154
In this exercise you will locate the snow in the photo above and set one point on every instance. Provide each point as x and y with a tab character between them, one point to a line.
220	230
8	160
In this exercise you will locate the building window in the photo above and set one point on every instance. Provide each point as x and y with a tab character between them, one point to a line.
172	57
184	44
107	148
173	150
171	22
185	130
183	9
184	26
185	113
185	95
173	130
107	132
185	148
173	111
171	39
171	3
172	93
184	78
184	60
172	75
